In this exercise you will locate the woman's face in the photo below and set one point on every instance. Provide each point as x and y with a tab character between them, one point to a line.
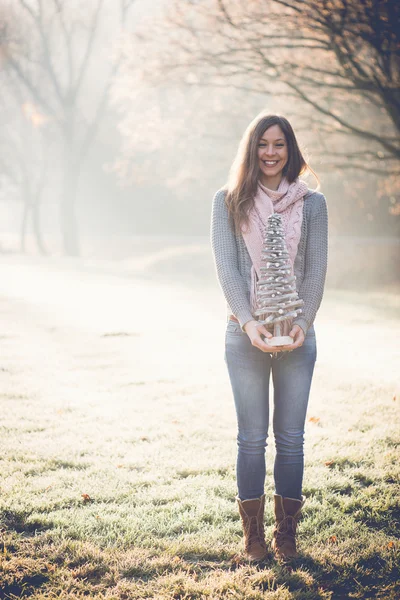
272	154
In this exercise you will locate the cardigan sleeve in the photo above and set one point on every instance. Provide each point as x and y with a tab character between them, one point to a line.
316	259
224	248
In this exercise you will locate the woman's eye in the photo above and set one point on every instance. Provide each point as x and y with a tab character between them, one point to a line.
277	145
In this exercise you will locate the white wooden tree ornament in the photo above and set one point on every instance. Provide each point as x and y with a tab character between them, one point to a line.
277	300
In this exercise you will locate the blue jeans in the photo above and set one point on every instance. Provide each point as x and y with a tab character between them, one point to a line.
249	371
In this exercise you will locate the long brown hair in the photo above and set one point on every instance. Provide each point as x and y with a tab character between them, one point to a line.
245	170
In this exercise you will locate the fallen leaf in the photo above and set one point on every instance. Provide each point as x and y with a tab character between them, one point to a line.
86	498
329	463
314	419
333	538
391	545
394	398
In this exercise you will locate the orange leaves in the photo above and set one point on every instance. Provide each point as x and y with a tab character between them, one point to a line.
33	115
329	463
314	420
332	539
395	210
86	498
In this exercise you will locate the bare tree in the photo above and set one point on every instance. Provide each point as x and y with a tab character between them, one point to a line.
338	60
26	154
51	52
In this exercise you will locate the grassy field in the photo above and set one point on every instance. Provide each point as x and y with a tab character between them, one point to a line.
118	447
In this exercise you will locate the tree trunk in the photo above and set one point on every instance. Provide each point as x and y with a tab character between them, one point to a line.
24	224
27	199
69	226
36	228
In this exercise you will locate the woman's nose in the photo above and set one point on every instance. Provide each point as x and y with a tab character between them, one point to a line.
269	150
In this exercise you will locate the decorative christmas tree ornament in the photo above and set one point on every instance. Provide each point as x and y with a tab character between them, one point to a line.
277	300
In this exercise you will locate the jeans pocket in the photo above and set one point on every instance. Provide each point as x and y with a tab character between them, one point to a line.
233	327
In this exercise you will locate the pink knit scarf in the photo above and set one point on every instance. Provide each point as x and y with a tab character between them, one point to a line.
288	201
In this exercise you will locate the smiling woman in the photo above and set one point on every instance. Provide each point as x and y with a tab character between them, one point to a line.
264	179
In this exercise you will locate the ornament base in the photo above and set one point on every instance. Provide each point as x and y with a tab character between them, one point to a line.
281	340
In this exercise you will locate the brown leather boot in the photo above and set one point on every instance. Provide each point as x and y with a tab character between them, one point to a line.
252	514
287	514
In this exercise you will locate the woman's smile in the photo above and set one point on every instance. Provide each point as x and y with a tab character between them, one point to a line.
270	163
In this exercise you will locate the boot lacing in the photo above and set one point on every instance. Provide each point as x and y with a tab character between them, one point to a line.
254	532
285	528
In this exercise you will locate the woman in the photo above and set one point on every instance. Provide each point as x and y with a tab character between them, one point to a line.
264	178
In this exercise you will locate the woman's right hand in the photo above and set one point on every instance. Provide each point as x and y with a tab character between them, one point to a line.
254	331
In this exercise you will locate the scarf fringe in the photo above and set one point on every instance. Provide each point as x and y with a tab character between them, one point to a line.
253	290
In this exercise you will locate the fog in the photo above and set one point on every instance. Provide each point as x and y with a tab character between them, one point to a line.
100	145
116	128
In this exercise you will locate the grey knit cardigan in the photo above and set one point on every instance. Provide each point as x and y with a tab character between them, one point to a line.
233	262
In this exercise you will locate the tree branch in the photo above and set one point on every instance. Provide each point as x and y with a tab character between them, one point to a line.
37	18
67	38
369	135
84	64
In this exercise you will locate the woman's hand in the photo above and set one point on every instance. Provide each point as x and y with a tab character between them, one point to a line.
298	338
254	331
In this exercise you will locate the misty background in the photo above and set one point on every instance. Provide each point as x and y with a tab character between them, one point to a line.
120	120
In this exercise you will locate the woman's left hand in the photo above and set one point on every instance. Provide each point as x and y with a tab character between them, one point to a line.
298	338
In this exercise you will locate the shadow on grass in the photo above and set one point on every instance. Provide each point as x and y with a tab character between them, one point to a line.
369	577
26	586
19	522
30	563
377	509
386	520
307	578
54	465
